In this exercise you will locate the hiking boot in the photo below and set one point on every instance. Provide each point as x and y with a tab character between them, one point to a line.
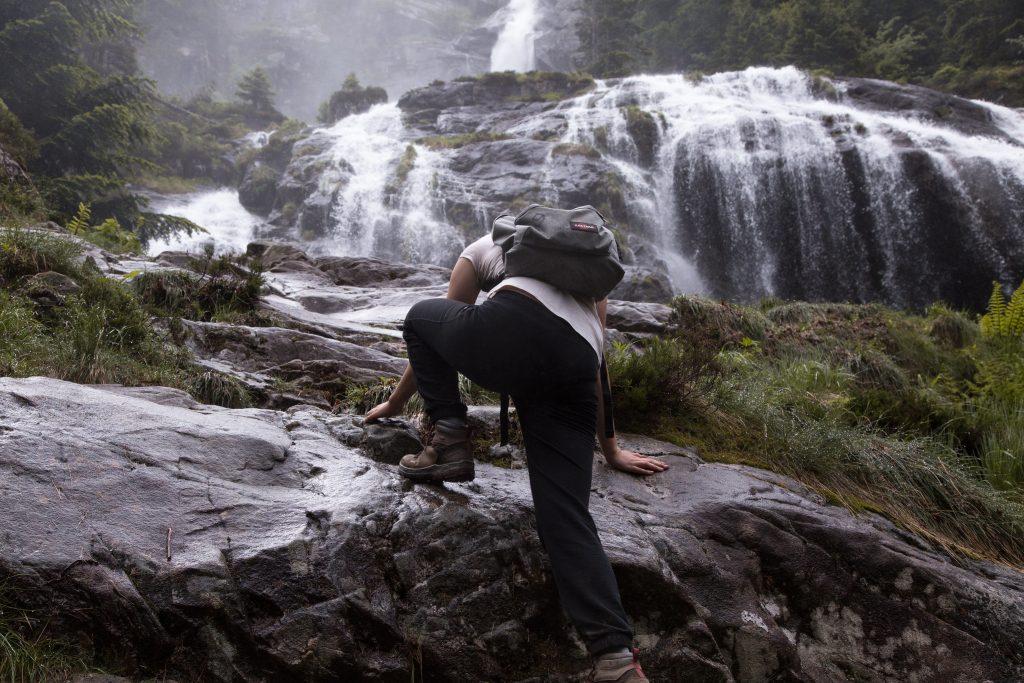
618	670
448	457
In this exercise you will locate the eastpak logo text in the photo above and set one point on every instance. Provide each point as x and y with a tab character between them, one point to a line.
583	227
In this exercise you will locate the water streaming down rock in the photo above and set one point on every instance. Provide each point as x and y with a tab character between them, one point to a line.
514	49
386	205
758	183
772	188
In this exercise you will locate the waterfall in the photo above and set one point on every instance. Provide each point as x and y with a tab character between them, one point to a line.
514	50
378	213
766	187
229	227
764	182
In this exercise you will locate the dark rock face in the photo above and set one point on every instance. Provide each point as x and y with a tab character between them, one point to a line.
258	190
257	545
846	224
353	100
643	284
948	110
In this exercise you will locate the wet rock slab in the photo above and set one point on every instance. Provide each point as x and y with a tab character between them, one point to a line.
258	545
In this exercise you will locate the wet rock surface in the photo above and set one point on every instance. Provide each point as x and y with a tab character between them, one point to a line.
259	545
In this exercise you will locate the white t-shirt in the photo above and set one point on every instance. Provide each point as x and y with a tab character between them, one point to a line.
581	313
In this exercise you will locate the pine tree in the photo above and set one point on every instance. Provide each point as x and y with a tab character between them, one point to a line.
255	91
67	71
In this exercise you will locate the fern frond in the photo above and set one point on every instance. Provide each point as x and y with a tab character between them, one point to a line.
80	222
1015	313
991	322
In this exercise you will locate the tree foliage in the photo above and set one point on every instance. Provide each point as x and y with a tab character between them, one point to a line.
352	98
68	73
960	44
257	95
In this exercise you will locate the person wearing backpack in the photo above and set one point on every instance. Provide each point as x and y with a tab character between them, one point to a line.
542	344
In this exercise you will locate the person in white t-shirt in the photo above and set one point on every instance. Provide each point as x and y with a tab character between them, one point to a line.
543	347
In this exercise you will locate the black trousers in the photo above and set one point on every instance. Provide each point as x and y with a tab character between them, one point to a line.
513	344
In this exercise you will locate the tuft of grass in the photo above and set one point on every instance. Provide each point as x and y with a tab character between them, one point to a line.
22	344
221	289
919	483
25	252
216	388
27	655
573	149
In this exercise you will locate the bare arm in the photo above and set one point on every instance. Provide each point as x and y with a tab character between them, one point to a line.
463	287
627	461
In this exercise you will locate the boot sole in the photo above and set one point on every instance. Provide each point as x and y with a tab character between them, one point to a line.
452	471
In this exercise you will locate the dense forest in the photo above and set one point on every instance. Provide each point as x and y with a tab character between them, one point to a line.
971	47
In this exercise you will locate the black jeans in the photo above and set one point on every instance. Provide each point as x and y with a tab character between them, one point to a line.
513	344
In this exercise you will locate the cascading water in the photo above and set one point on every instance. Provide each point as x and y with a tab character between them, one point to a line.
739	185
381	210
514	50
770	189
229	227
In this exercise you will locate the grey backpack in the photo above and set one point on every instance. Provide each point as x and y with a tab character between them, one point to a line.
572	249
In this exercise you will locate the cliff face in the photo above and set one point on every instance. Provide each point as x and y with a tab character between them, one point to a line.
738	186
262	545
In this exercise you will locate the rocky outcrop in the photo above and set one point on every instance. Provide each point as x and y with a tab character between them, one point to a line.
257	545
937	107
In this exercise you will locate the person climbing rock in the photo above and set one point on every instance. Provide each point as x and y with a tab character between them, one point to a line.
543	346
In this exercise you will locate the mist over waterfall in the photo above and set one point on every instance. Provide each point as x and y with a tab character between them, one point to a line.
514	49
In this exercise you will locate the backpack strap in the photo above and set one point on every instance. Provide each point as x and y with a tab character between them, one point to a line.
503	419
606	396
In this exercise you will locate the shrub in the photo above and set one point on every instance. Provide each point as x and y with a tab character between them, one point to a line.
221	289
216	388
719	321
661	379
107	235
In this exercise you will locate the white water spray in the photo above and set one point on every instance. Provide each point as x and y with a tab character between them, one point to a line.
381	210
229	227
514	50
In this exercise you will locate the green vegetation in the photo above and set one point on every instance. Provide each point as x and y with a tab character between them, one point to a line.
78	118
109	235
33	659
60	317
68	73
919	418
353	98
573	149
972	47
257	95
222	289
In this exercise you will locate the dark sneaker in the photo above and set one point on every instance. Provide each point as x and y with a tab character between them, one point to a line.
448	457
618	670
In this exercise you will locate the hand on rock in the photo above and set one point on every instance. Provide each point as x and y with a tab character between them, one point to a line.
635	463
385	409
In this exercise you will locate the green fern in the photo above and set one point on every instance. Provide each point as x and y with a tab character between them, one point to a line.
1005	320
80	223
